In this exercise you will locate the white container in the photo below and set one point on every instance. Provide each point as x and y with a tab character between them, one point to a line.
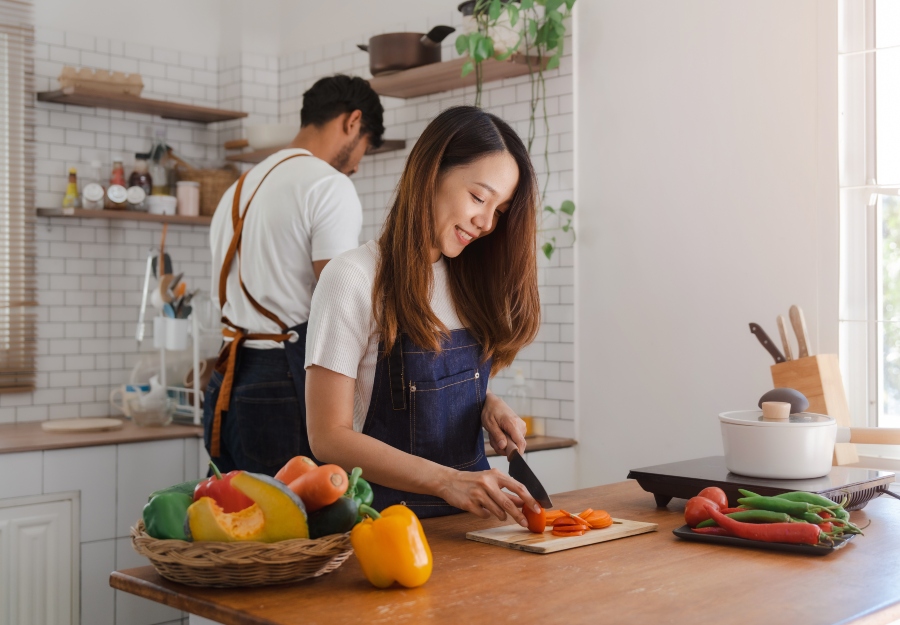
161	204
263	136
796	449
170	333
188	194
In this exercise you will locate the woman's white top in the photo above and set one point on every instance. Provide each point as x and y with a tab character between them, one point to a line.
342	335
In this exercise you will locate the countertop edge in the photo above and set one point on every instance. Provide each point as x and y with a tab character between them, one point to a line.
29	437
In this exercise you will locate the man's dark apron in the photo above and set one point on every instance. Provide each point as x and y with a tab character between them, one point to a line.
294	339
428	404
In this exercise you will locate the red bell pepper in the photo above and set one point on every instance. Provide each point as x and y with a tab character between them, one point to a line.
219	488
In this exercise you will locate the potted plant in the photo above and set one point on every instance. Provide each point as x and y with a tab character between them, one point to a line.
538	30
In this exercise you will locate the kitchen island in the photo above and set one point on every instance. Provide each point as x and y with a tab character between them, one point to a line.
649	578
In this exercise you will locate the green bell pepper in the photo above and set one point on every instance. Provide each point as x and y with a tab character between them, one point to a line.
186	488
165	513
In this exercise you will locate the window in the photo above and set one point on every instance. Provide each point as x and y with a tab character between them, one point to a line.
17	295
869	174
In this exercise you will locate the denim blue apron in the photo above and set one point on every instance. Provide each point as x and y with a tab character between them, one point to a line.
428	404
219	392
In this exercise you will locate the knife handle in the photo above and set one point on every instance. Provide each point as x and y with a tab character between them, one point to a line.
785	342
766	342
798	321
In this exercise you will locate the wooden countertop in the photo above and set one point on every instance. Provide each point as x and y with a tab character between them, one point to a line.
650	578
16	437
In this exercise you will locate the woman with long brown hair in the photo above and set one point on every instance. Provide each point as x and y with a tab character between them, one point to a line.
405	332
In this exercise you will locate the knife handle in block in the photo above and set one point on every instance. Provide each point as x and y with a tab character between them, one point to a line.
785	341
798	321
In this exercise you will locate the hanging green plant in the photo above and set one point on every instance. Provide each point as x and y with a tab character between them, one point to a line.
539	29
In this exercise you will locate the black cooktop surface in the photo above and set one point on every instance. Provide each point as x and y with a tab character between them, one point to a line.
687	478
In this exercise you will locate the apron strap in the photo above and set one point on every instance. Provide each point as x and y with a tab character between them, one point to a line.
228	356
395	371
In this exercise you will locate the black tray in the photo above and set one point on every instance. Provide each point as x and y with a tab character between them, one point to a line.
813	550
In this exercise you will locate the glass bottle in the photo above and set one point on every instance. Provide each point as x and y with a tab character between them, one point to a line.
516	397
93	193
140	184
116	194
158	157
71	199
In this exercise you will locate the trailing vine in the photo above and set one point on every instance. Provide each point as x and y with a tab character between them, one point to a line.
540	25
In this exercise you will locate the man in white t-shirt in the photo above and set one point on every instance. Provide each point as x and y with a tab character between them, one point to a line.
293	212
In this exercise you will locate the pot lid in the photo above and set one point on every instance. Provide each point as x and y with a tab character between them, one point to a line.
755	418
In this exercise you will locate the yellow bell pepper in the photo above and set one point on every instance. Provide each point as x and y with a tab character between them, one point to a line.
391	547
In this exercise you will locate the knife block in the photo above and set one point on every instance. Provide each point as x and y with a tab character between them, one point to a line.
819	378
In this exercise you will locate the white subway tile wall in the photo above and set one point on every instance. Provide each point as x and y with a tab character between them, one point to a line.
90	272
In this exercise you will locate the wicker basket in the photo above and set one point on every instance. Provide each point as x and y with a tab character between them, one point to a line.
224	565
213	184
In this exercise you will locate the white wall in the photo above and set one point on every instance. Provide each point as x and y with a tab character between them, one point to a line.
697	174
187	25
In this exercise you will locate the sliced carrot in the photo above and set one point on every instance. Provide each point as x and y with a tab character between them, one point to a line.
586	513
568	534
599	525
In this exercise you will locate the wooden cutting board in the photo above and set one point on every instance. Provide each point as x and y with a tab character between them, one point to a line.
83	424
517	537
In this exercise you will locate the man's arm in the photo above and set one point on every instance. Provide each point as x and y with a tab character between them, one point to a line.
318	266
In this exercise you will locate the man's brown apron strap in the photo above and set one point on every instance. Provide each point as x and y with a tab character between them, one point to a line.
228	356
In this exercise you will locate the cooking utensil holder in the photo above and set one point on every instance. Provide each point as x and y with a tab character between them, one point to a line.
819	378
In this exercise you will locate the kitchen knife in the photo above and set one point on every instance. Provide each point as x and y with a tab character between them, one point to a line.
766	342
799	323
785	342
521	472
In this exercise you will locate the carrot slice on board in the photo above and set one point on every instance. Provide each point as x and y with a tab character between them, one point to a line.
586	513
568	534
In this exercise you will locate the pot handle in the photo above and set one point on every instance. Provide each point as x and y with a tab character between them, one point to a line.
869	436
436	35
363	46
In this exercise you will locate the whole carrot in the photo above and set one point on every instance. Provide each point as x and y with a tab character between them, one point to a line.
321	486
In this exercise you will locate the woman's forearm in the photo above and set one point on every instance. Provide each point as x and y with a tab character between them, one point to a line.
329	424
381	463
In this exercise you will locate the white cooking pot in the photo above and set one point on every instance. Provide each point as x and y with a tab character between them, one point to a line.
798	448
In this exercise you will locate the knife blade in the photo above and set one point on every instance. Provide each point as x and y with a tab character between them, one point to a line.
521	472
766	342
798	321
785	342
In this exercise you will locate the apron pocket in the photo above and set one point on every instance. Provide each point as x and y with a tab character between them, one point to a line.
445	419
269	426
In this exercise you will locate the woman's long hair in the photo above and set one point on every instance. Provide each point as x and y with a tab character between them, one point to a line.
493	282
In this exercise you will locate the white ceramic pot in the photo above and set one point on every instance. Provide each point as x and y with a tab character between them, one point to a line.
264	136
796	449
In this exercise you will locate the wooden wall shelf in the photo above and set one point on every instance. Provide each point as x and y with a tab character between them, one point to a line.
257	156
439	77
135	104
120	215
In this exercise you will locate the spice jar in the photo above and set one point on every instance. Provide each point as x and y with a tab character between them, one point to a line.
116	194
188	194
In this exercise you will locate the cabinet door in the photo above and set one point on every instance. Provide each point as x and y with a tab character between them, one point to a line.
36	563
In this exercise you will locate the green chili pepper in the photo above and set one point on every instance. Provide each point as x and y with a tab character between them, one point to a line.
817	500
164	515
753	516
794	508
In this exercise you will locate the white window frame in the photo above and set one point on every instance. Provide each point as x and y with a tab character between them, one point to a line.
860	305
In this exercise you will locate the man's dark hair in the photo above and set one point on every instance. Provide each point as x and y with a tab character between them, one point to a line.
335	95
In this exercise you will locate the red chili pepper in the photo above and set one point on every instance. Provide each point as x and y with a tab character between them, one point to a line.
805	533
222	492
714	531
826	527
732	510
